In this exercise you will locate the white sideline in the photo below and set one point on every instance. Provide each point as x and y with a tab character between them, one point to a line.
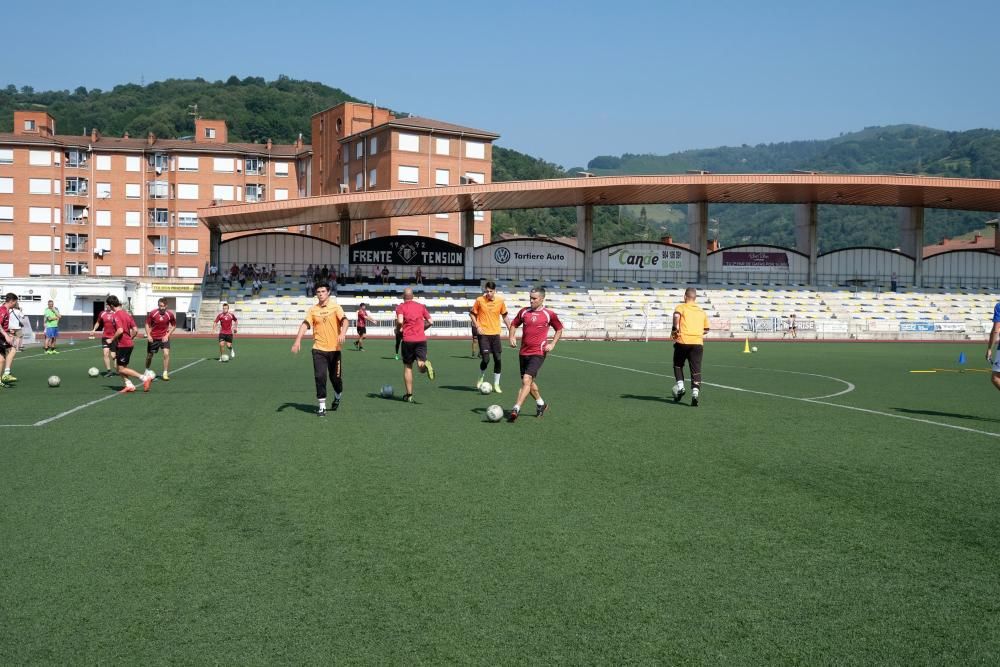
817	401
94	402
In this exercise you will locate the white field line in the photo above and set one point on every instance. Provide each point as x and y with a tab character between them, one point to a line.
22	356
816	401
94	402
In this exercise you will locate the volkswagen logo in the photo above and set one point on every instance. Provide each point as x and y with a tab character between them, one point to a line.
501	255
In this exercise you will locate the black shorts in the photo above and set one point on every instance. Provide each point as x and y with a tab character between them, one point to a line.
362	331
107	342
153	346
413	351
692	354
123	355
530	365
4	346
226	338
490	343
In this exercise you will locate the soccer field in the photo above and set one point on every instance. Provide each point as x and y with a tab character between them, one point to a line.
823	505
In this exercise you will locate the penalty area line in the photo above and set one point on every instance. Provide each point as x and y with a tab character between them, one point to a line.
815	401
83	406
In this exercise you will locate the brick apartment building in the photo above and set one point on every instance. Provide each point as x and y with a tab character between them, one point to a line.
121	206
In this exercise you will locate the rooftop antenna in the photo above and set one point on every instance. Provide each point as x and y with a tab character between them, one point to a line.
193	111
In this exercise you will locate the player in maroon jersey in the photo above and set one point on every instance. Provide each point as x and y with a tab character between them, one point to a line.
413	319
362	320
106	324
124	342
160	323
8	348
227	329
537	320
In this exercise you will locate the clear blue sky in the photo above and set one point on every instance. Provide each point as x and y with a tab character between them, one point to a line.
560	80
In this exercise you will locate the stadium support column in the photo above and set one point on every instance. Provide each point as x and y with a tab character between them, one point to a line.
697	220
469	242
215	250
585	239
911	239
345	246
806	236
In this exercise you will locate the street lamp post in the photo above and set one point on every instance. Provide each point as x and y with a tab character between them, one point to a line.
53	271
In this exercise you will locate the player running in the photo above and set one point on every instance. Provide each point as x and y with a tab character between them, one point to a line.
123	341
226	322
486	313
106	325
8	348
413	320
690	325
537	320
160	323
362	325
329	325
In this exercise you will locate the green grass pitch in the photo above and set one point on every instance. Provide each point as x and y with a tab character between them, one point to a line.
823	505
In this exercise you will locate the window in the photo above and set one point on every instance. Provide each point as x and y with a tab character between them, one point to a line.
478	216
40	158
372	235
357	238
359	182
159	244
442	216
132	163
6	156
372	176
75	158
132	247
6	270
158	189
255	193
373	146
6	186
407	232
76	243
76	187
409	174
6	241
187	219
346	153
475	149
39	214
103	163
442	177
280	194
76	214
254	166
103	191
475	177
187	163
40	243
159	217
132	271
187	272
77	268
159	162
187	246
281	169
102	218
359	150
134	190
187	190
104	270
210	133
224	165
39	269
157	270
222	192
6	213
441	235
409	142
442	146
29	126
133	219
104	245
40	186
477	240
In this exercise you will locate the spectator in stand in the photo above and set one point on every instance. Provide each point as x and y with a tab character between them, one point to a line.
418	277
234	272
358	278
256	287
385	274
310	285
213	273
333	277
376	274
273	275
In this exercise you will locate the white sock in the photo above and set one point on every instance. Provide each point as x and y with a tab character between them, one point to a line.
539	402
6	371
679	385
128	383
337	395
322	404
516	408
496	378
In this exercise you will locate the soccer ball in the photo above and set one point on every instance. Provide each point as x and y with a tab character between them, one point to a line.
224	358
753	349
485	388
386	391
54	380
93	372
494	413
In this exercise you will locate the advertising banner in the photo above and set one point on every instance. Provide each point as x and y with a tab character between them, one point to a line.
407	250
633	259
521	257
949	326
735	260
907	325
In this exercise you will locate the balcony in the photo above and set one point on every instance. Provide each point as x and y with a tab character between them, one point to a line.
75	159
76	187
76	215
159	217
157	189
79	246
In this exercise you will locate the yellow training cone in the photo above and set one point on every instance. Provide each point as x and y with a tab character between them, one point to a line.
746	346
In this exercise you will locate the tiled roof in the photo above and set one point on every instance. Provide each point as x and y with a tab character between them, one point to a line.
132	144
978	242
417	123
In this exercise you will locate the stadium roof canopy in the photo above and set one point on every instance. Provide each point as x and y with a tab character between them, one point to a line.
852	190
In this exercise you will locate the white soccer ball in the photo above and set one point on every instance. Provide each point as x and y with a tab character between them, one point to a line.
386	391
224	358
494	413
93	372
54	380
485	388
753	349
